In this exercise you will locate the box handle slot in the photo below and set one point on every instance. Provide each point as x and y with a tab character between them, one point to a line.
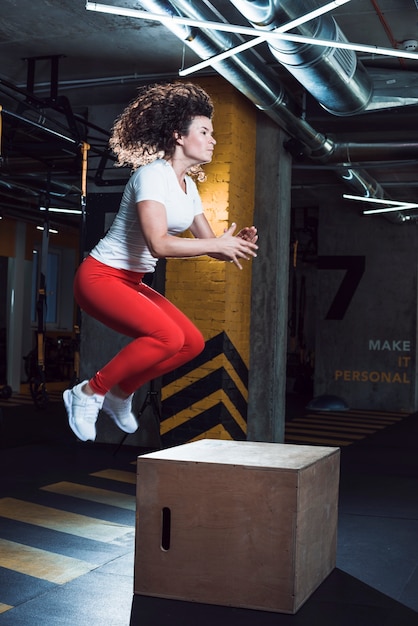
166	529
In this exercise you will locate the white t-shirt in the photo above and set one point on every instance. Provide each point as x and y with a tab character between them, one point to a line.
124	246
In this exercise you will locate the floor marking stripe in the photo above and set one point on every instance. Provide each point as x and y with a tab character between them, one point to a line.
400	414
54	568
329	432
355	419
94	494
23	399
332	427
321	441
372	417
353	425
119	475
62	521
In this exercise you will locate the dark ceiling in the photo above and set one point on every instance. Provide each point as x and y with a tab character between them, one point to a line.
58	59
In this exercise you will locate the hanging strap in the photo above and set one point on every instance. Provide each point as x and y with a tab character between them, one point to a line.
85	147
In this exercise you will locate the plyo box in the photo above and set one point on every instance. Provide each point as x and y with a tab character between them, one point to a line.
236	523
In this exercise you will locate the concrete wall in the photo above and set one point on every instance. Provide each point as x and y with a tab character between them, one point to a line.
365	348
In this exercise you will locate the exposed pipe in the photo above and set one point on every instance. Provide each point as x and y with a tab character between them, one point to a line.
351	152
333	76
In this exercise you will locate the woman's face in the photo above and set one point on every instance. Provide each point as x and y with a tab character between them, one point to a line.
199	142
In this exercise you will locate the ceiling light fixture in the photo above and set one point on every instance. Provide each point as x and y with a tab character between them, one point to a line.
57	210
245	30
50	230
186	21
394	205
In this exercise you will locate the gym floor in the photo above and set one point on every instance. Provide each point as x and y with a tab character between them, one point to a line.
67	528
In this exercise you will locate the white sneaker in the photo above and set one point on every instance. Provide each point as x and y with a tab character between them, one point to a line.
120	411
83	411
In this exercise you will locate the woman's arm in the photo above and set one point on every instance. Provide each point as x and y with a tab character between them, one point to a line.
201	229
153	221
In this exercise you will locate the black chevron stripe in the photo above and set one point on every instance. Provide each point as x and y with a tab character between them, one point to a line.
206	420
235	359
234	394
217	380
191	394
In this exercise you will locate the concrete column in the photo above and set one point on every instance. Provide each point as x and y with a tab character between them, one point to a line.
269	316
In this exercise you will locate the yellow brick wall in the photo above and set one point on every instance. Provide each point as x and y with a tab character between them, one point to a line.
213	294
216	295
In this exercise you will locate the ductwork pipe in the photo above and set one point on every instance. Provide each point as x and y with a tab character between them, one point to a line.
333	76
350	152
360	181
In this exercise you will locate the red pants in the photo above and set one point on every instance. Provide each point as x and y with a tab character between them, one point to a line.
163	337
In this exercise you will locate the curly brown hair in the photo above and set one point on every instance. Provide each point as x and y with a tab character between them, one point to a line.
145	129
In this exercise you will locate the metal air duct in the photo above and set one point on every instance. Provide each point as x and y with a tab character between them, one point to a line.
333	76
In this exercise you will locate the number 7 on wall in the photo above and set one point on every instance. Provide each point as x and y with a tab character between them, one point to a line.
354	266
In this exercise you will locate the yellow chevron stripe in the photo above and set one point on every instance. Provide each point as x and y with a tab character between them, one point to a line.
200	372
54	568
62	521
217	432
102	496
198	407
237	380
234	412
183	416
118	475
5	607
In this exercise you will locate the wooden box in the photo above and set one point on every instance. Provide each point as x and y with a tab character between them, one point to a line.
236	523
